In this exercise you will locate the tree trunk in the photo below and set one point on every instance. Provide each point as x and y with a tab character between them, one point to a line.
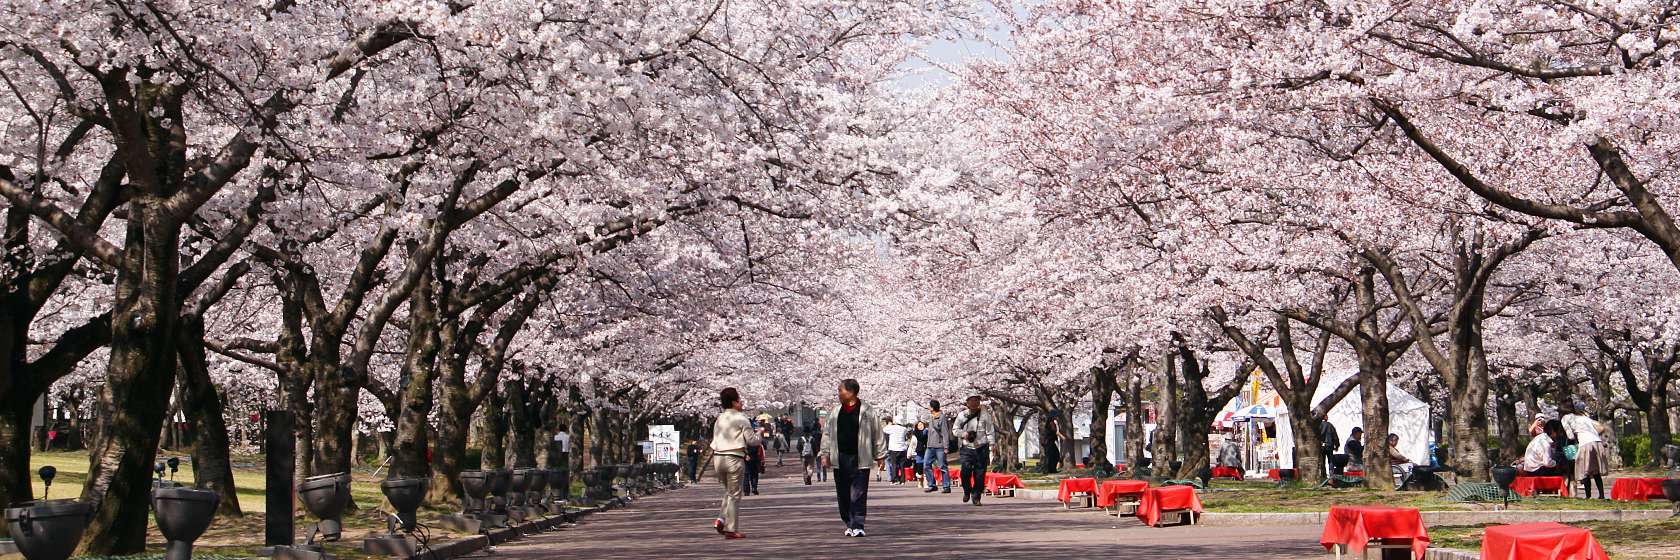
1136	439
15	411
335	410
1373	395
494	431
212	468
1505	415
416	397
139	378
1006	446
1164	443
522	437
1102	395
1657	423
450	450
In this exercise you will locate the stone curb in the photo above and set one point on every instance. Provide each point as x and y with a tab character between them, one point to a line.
464	546
1450	554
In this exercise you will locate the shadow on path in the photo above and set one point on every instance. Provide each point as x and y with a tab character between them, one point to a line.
791	520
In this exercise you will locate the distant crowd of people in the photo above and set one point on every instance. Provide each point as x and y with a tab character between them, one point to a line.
854	439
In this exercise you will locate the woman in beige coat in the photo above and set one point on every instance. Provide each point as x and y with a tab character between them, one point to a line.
731	436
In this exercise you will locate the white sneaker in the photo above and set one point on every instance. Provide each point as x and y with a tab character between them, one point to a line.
851	532
859	533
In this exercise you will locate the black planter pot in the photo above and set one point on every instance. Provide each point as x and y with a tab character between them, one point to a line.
1504	476
182	516
476	484
519	482
47	529
405	495
1671	490
539	481
325	497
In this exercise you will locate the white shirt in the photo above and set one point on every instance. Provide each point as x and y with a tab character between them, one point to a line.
1582	429
1539	453
895	437
565	442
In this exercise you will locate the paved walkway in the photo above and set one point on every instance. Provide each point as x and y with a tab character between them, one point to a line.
791	520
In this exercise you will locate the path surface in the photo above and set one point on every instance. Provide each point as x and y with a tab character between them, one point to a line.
791	520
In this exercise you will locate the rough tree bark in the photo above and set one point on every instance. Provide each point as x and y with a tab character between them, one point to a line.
1103	386
411	439
523	406
493	429
1505	416
1135	417
1163	448
204	408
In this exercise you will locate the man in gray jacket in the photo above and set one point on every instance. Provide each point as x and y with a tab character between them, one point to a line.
938	440
974	433
851	439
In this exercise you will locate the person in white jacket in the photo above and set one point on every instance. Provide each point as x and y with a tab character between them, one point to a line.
732	434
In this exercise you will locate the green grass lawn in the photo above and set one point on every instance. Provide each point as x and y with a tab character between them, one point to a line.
1623	540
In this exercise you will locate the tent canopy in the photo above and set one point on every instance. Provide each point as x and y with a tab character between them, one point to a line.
1408	418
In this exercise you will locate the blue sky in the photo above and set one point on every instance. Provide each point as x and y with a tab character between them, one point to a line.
927	70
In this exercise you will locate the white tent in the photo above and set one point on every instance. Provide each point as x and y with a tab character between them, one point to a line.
1408	417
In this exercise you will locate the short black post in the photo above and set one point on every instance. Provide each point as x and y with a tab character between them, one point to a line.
279	442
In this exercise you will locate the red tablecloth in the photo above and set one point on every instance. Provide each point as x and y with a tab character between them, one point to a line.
1355	526
1352	472
909	473
955	473
1167	498
1540	541
1528	485
1637	489
1274	474
996	481
1071	485
1227	472
1110	491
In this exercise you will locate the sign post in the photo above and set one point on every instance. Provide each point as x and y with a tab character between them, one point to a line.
666	442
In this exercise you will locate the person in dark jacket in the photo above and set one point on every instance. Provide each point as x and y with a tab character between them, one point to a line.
1355	448
693	453
755	464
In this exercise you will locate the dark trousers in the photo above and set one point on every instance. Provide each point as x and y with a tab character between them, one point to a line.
851	486
895	466
749	483
694	468
974	463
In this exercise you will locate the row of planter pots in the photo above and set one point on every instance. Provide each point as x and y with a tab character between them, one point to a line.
51	529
